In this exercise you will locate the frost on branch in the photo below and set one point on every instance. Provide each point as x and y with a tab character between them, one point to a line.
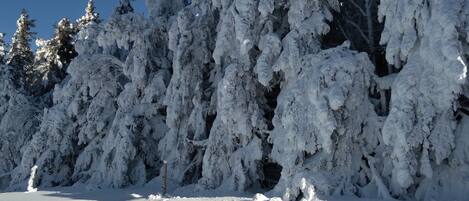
400	33
271	46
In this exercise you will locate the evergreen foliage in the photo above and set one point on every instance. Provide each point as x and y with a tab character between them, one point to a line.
91	16
53	57
21	56
2	48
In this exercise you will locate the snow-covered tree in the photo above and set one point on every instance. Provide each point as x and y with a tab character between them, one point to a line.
129	154
20	117
428	41
240	125
162	11
321	133
53	57
20	56
123	7
91	16
84	101
64	36
223	90
107	115
190	111
74	120
2	48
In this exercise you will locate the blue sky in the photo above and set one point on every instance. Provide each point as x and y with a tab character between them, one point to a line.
48	12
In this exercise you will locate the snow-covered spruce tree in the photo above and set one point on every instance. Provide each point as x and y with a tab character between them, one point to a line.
326	133
83	108
84	100
2	48
20	56
189	99
91	16
234	149
129	154
108	114
324	124
20	116
52	58
163	11
124	7
428	40
357	22
19	113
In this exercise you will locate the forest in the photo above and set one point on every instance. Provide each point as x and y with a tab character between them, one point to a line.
294	98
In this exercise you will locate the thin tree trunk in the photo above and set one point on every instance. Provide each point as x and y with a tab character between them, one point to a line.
371	29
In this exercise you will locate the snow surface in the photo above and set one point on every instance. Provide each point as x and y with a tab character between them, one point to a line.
145	193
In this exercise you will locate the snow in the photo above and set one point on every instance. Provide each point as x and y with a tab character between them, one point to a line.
420	126
223	89
137	193
145	193
305	142
31	180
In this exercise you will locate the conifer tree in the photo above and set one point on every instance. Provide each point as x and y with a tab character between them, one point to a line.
90	15
2	48
20	56
64	39
124	7
53	57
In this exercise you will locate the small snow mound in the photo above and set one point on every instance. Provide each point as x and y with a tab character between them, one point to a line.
31	188
260	197
135	195
155	197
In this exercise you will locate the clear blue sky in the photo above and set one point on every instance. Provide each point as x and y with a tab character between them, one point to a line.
49	12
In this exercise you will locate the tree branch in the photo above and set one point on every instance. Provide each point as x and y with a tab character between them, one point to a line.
359	30
358	7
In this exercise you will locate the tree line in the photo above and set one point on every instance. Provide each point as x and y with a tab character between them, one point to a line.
36	73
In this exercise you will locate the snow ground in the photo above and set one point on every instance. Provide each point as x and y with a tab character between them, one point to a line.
188	193
82	193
